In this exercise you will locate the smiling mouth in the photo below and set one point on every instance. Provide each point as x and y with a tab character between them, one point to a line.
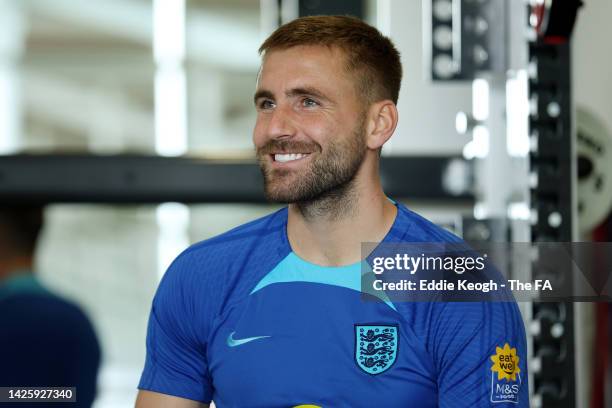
289	157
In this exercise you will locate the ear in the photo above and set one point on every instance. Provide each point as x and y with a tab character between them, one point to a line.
382	121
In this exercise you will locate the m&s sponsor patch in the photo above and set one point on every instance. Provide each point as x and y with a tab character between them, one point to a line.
505	375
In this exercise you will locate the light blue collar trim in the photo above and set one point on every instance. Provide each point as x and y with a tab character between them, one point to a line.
295	269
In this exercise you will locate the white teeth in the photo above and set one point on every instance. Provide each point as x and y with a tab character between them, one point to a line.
283	158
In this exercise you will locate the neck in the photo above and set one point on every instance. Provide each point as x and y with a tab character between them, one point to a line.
329	231
332	206
11	266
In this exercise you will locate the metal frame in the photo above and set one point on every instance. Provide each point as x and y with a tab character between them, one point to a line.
552	169
124	179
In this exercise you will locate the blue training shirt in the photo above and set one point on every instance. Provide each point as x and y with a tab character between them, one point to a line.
242	320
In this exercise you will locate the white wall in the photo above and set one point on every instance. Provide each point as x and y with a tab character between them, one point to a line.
427	111
592	59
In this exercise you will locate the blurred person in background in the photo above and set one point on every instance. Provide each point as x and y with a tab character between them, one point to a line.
45	340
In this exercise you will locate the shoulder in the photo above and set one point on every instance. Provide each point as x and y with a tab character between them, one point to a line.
441	323
45	312
224	252
449	328
42	302
268	229
228	264
412	227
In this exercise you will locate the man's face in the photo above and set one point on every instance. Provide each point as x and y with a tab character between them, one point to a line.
309	134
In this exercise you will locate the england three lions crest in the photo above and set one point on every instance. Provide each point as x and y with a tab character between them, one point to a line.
376	347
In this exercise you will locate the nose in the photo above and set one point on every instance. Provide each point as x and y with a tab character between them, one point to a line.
280	124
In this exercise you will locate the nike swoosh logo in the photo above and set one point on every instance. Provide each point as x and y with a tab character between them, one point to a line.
232	342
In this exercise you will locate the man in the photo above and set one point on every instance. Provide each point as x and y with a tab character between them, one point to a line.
270	313
45	341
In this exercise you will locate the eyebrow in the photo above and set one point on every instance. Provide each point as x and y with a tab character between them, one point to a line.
301	91
262	94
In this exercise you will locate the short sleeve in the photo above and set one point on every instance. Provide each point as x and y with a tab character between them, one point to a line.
176	362
480	355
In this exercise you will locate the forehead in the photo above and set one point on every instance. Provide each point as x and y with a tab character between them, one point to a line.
314	65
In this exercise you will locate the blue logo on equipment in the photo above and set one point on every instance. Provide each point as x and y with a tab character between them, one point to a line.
376	347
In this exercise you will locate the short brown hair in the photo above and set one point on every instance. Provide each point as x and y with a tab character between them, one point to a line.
370	55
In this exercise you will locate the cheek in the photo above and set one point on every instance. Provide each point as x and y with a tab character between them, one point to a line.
319	129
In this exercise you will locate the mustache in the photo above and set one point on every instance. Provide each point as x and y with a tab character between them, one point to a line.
282	146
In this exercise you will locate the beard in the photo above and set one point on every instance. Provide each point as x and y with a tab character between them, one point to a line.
328	175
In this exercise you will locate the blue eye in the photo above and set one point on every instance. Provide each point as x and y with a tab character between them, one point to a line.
309	103
266	104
